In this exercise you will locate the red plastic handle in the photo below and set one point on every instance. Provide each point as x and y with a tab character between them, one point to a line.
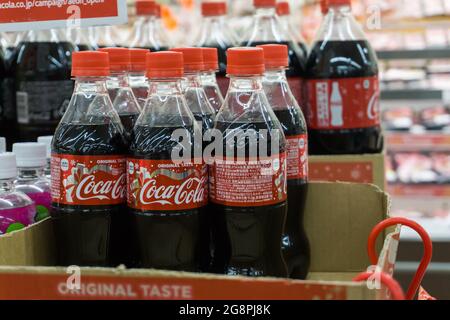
393	286
427	253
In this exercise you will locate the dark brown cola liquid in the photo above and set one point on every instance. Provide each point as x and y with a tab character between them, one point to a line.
295	244
43	86
343	59
90	235
167	240
247	240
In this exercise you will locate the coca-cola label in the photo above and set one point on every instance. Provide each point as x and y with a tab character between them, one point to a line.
297	157
248	182
162	185
344	103
88	180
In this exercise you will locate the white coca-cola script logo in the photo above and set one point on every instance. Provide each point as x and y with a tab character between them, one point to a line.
190	191
90	188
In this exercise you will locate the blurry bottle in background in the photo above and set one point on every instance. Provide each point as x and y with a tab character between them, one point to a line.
17	210
148	32
118	85
343	87
102	37
43	86
47	140
2	145
208	78
284	12
215	33
31	179
267	29
138	80
79	37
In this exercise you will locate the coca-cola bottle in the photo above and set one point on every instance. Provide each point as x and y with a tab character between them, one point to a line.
208	78
295	243
138	79
343	91
215	33
284	13
167	185
88	170
148	33
248	177
119	89
79	37
195	95
42	82
267	28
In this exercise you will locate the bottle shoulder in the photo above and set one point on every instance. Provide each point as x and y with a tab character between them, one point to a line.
14	199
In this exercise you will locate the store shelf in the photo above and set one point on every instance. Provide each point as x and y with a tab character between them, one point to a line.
417	142
412	190
438	53
411	94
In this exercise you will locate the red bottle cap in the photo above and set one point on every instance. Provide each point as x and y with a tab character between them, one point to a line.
210	59
324	6
138	59
283	9
145	7
339	2
210	9
164	64
275	56
193	58
119	58
245	61
264	3
90	64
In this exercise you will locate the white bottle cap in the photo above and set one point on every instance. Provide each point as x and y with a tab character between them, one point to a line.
2	145
47	140
30	154
8	167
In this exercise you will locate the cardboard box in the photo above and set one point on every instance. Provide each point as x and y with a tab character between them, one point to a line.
363	168
339	217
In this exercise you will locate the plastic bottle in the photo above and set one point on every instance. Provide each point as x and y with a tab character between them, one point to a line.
119	89
166	198
138	80
266	28
343	111
195	95
295	243
47	140
208	78
284	13
147	31
248	189
88	171
42	82
17	210
214	33
31	180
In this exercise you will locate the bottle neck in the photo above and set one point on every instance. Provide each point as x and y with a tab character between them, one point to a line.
245	83
268	12
208	77
275	75
192	80
165	87
266	27
6	185
91	85
118	80
339	24
50	35
30	173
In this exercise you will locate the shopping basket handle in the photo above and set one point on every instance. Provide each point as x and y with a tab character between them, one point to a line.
427	252
393	286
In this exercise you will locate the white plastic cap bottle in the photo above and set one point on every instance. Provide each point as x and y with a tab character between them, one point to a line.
47	140
30	154
8	169
2	145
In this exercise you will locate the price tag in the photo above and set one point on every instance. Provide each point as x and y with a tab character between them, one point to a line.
23	15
